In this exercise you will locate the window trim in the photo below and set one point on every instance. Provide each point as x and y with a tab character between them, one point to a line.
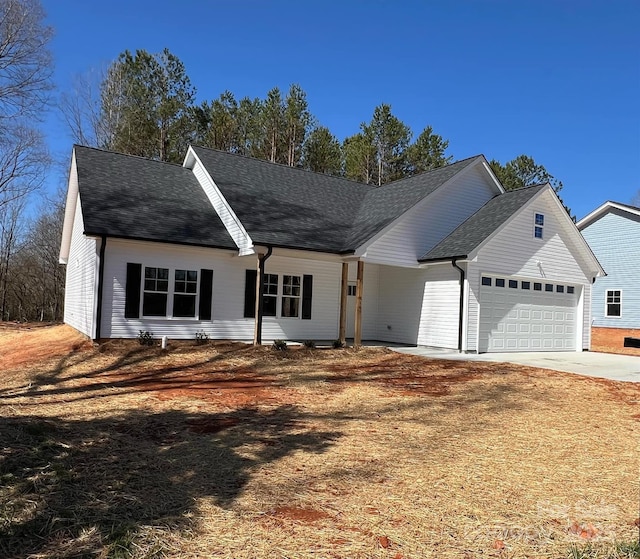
284	296
144	290
606	303
279	296
538	226
171	292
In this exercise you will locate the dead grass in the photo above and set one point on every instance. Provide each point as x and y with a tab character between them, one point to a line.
230	451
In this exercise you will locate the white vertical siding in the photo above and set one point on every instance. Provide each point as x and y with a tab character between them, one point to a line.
81	278
432	220
440	307
615	240
229	272
515	252
229	219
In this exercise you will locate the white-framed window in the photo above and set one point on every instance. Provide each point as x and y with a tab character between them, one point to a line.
270	295
185	293
351	290
290	307
538	225
155	291
613	303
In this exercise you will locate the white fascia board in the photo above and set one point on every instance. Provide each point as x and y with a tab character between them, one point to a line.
580	244
480	159
220	205
601	210
70	210
494	179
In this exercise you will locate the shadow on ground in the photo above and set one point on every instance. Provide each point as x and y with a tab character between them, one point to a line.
65	480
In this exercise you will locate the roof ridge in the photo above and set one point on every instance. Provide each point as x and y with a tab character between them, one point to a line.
112	152
284	165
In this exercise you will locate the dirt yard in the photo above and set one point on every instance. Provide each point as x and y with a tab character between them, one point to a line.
225	450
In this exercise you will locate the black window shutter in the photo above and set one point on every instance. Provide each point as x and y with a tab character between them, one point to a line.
206	290
250	294
132	291
307	294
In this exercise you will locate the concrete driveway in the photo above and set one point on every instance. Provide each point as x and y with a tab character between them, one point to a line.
592	364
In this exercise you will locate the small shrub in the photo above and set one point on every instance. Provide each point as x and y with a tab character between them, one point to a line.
337	344
279	345
309	344
202	338
145	338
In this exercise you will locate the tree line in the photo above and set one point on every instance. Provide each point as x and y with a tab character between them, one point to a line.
144	104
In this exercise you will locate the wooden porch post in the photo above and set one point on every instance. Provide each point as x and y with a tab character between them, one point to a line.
357	338
343	303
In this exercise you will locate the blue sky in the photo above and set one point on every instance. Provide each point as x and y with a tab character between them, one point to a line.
558	80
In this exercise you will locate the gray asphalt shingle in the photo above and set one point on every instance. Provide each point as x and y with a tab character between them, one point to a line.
132	197
470	234
293	208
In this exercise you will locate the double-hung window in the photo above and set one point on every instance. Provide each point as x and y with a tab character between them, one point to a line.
538	226
184	293
290	296
613	303
156	289
270	295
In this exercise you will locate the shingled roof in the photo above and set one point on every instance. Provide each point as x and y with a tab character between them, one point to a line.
284	206
385	204
133	197
475	230
287	207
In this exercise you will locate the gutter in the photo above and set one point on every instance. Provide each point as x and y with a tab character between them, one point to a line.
257	337
103	246
454	263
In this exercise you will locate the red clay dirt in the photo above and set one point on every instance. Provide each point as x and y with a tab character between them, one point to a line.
27	344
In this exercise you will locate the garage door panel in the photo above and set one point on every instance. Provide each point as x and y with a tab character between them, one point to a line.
527	320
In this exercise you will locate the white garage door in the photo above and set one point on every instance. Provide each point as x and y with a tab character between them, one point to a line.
527	315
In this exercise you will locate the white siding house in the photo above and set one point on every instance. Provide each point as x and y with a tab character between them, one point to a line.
224	243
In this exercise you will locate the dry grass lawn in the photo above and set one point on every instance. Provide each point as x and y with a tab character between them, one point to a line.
224	450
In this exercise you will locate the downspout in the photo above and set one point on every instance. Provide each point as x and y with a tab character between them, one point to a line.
257	339
454	263
103	246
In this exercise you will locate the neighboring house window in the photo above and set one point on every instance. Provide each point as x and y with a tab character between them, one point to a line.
614	307
270	295
290	296
538	226
156	288
185	289
570	289
351	290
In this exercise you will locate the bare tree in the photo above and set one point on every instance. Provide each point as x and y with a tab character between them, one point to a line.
25	84
10	224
